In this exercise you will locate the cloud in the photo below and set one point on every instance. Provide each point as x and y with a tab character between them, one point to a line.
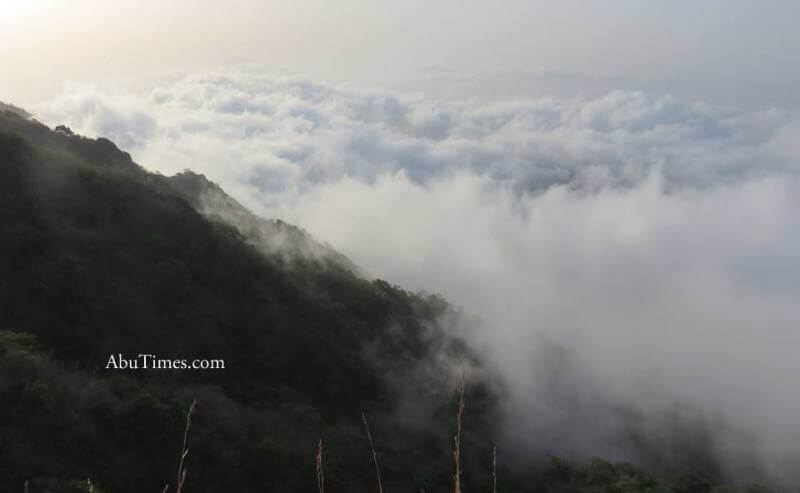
631	254
299	132
93	112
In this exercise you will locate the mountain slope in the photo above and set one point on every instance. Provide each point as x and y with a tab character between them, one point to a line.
100	257
14	109
272	237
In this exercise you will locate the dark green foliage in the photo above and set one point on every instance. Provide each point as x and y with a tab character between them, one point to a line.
100	257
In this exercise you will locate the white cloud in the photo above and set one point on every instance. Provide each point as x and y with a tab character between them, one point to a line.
300	132
94	112
655	239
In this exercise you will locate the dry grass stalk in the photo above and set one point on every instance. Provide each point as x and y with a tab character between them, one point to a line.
320	472
27	486
494	469
457	438
374	455
181	479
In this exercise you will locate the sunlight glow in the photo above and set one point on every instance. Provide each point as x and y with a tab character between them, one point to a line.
13	10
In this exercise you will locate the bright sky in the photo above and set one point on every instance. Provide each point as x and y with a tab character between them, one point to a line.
729	51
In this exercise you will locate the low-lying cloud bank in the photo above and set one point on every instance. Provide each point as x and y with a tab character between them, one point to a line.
656	242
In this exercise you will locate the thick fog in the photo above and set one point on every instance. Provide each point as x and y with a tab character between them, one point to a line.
635	257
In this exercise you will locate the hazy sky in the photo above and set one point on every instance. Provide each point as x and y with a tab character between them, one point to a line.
724	51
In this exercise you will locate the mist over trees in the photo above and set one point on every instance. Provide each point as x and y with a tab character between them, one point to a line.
99	257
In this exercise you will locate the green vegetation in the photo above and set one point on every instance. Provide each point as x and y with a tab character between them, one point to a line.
100	257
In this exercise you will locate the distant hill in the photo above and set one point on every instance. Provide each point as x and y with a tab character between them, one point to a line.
14	109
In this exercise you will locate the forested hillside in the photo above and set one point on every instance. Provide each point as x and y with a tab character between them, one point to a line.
99	257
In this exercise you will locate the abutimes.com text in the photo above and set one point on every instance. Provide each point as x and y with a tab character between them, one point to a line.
152	362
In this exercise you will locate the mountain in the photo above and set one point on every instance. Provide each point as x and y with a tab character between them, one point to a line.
101	260
14	109
272	237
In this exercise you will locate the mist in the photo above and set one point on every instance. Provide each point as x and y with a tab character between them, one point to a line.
634	257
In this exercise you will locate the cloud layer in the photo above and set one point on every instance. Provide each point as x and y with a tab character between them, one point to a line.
654	241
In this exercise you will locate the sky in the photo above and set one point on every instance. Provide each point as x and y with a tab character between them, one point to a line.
616	179
735	52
